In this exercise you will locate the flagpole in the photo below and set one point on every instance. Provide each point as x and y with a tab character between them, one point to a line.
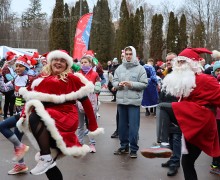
80	8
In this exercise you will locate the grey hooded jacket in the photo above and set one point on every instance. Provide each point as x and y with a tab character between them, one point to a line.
135	73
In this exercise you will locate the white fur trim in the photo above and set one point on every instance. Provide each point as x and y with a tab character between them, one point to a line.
19	124
44	97
36	82
23	126
215	54
50	124
98	131
59	54
182	58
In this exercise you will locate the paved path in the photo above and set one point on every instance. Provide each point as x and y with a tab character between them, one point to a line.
103	165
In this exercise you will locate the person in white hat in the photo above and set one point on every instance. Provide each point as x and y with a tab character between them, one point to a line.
52	115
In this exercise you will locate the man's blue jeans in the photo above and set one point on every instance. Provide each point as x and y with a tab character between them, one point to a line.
129	123
175	145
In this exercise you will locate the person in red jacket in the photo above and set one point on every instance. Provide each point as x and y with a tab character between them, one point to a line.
8	72
194	113
51	113
88	72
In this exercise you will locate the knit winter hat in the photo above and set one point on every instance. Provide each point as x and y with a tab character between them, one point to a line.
192	53
60	54
216	66
115	60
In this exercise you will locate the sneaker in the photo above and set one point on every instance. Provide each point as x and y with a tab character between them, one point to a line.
156	152
133	154
98	115
166	164
169	163
173	170
122	151
215	170
43	166
18	168
92	148
20	152
114	135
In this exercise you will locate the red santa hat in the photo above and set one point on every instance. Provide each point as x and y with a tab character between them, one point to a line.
32	61
43	57
189	54
89	53
160	63
60	54
23	60
35	55
10	56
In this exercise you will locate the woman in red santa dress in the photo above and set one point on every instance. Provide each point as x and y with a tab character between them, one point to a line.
199	95
51	112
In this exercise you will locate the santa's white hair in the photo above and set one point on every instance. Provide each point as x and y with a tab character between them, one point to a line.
182	80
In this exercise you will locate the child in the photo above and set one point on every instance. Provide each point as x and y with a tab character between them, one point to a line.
87	71
22	79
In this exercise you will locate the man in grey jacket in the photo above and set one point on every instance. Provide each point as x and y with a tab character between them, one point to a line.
130	79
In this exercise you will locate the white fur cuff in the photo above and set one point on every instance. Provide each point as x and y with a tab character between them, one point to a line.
98	131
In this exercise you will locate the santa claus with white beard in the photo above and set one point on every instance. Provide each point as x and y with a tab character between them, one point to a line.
194	113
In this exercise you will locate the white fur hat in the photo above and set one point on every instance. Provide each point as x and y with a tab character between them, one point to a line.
60	54
216	54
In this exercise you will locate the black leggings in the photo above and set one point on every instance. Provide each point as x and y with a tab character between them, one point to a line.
188	161
9	103
54	174
44	141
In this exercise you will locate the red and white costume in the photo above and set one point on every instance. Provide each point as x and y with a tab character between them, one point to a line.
196	120
55	102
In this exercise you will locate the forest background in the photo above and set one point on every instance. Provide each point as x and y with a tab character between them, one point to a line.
116	24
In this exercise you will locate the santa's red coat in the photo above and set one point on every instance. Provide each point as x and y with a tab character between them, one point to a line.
196	120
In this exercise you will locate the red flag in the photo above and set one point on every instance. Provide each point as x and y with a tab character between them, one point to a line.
81	40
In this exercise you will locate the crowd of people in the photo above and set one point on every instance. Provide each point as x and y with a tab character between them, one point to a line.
182	94
186	108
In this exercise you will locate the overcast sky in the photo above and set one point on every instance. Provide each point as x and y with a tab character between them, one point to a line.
20	6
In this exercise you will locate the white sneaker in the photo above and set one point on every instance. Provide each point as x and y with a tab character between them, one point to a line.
98	115
43	166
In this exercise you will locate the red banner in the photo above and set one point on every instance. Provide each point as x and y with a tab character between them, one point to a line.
81	40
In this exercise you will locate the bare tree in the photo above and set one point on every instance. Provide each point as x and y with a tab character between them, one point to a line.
115	9
205	11
5	21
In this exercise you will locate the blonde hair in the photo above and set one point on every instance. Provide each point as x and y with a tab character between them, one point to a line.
47	71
